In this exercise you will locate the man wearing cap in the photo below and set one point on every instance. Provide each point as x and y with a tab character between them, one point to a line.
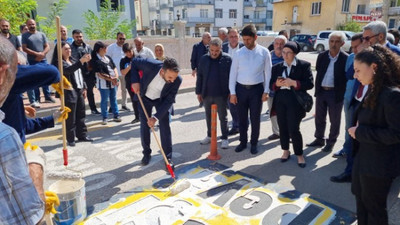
330	85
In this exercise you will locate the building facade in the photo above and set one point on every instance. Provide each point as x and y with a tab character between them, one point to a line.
311	16
394	14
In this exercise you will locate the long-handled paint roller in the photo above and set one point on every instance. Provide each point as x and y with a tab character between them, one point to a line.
179	187
70	174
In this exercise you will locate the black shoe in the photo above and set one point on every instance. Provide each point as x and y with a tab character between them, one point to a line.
253	149
125	108
342	178
317	143
340	154
273	137
135	121
50	100
240	147
146	160
95	112
72	144
233	131
328	147
284	160
301	165
85	139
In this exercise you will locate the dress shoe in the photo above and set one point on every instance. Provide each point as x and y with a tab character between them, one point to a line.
253	149
233	131
328	147
340	154
135	121
342	178
72	144
95	112
317	143
85	139
302	165
273	137
240	147
146	160
285	159
126	108
49	100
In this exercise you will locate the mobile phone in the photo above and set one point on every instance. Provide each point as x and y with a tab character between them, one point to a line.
280	78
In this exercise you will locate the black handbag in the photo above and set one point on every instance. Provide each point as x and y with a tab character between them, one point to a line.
305	100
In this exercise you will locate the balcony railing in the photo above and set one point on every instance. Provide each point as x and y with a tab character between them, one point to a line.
199	20
263	20
166	6
193	2
394	11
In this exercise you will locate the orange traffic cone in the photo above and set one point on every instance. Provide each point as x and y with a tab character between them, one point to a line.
213	146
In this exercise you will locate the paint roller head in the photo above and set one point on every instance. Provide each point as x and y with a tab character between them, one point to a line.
64	175
179	187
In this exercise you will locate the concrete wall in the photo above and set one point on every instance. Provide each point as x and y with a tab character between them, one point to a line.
180	49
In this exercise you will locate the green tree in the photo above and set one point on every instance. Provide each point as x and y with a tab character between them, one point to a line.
16	12
48	24
350	26
106	24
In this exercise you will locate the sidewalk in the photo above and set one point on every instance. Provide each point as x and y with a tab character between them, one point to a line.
188	84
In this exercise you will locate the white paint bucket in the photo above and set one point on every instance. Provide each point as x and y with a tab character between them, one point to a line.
72	208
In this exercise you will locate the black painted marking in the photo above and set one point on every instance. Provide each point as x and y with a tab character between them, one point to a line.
307	215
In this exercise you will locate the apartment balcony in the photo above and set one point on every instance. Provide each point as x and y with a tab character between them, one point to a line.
394	11
255	3
166	23
263	20
199	20
193	2
166	6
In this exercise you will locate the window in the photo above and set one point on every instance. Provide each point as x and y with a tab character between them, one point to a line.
246	17
256	14
114	4
316	8
360	9
232	13
345	6
391	23
218	13
184	13
203	13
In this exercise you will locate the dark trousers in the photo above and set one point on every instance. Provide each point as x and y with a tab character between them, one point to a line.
249	99
134	103
235	115
325	103
165	130
371	196
349	156
289	114
90	83
75	124
222	114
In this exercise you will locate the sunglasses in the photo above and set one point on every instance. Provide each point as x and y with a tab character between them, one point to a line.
367	38
122	39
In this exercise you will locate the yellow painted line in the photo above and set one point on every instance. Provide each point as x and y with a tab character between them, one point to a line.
327	213
56	134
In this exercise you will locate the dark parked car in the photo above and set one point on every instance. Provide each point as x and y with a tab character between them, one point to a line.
306	41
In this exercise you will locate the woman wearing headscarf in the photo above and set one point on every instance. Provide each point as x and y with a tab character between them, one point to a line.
376	133
288	77
107	80
159	52
75	98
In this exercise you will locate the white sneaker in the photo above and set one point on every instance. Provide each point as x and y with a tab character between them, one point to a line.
225	144
35	105
205	141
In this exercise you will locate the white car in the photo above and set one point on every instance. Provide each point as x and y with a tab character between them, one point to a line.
322	42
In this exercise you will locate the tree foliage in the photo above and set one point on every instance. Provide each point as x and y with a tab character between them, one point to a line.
48	24
350	26
105	25
16	12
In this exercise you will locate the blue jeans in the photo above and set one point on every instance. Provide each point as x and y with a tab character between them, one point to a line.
34	95
348	114
112	95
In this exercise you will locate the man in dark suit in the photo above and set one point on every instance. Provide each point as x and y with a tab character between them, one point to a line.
330	86
212	87
231	47
375	33
157	87
198	51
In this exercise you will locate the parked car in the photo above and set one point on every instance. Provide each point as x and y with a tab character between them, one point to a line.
306	41
266	33
322	42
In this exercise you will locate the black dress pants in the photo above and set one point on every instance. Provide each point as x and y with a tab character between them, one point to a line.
75	124
289	114
90	82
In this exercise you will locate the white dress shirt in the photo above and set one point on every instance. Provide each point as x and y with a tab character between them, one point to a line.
250	67
232	51
145	53
288	69
329	78
116	53
155	87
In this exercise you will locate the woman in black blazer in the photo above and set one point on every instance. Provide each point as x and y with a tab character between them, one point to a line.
74	99
290	76
376	133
